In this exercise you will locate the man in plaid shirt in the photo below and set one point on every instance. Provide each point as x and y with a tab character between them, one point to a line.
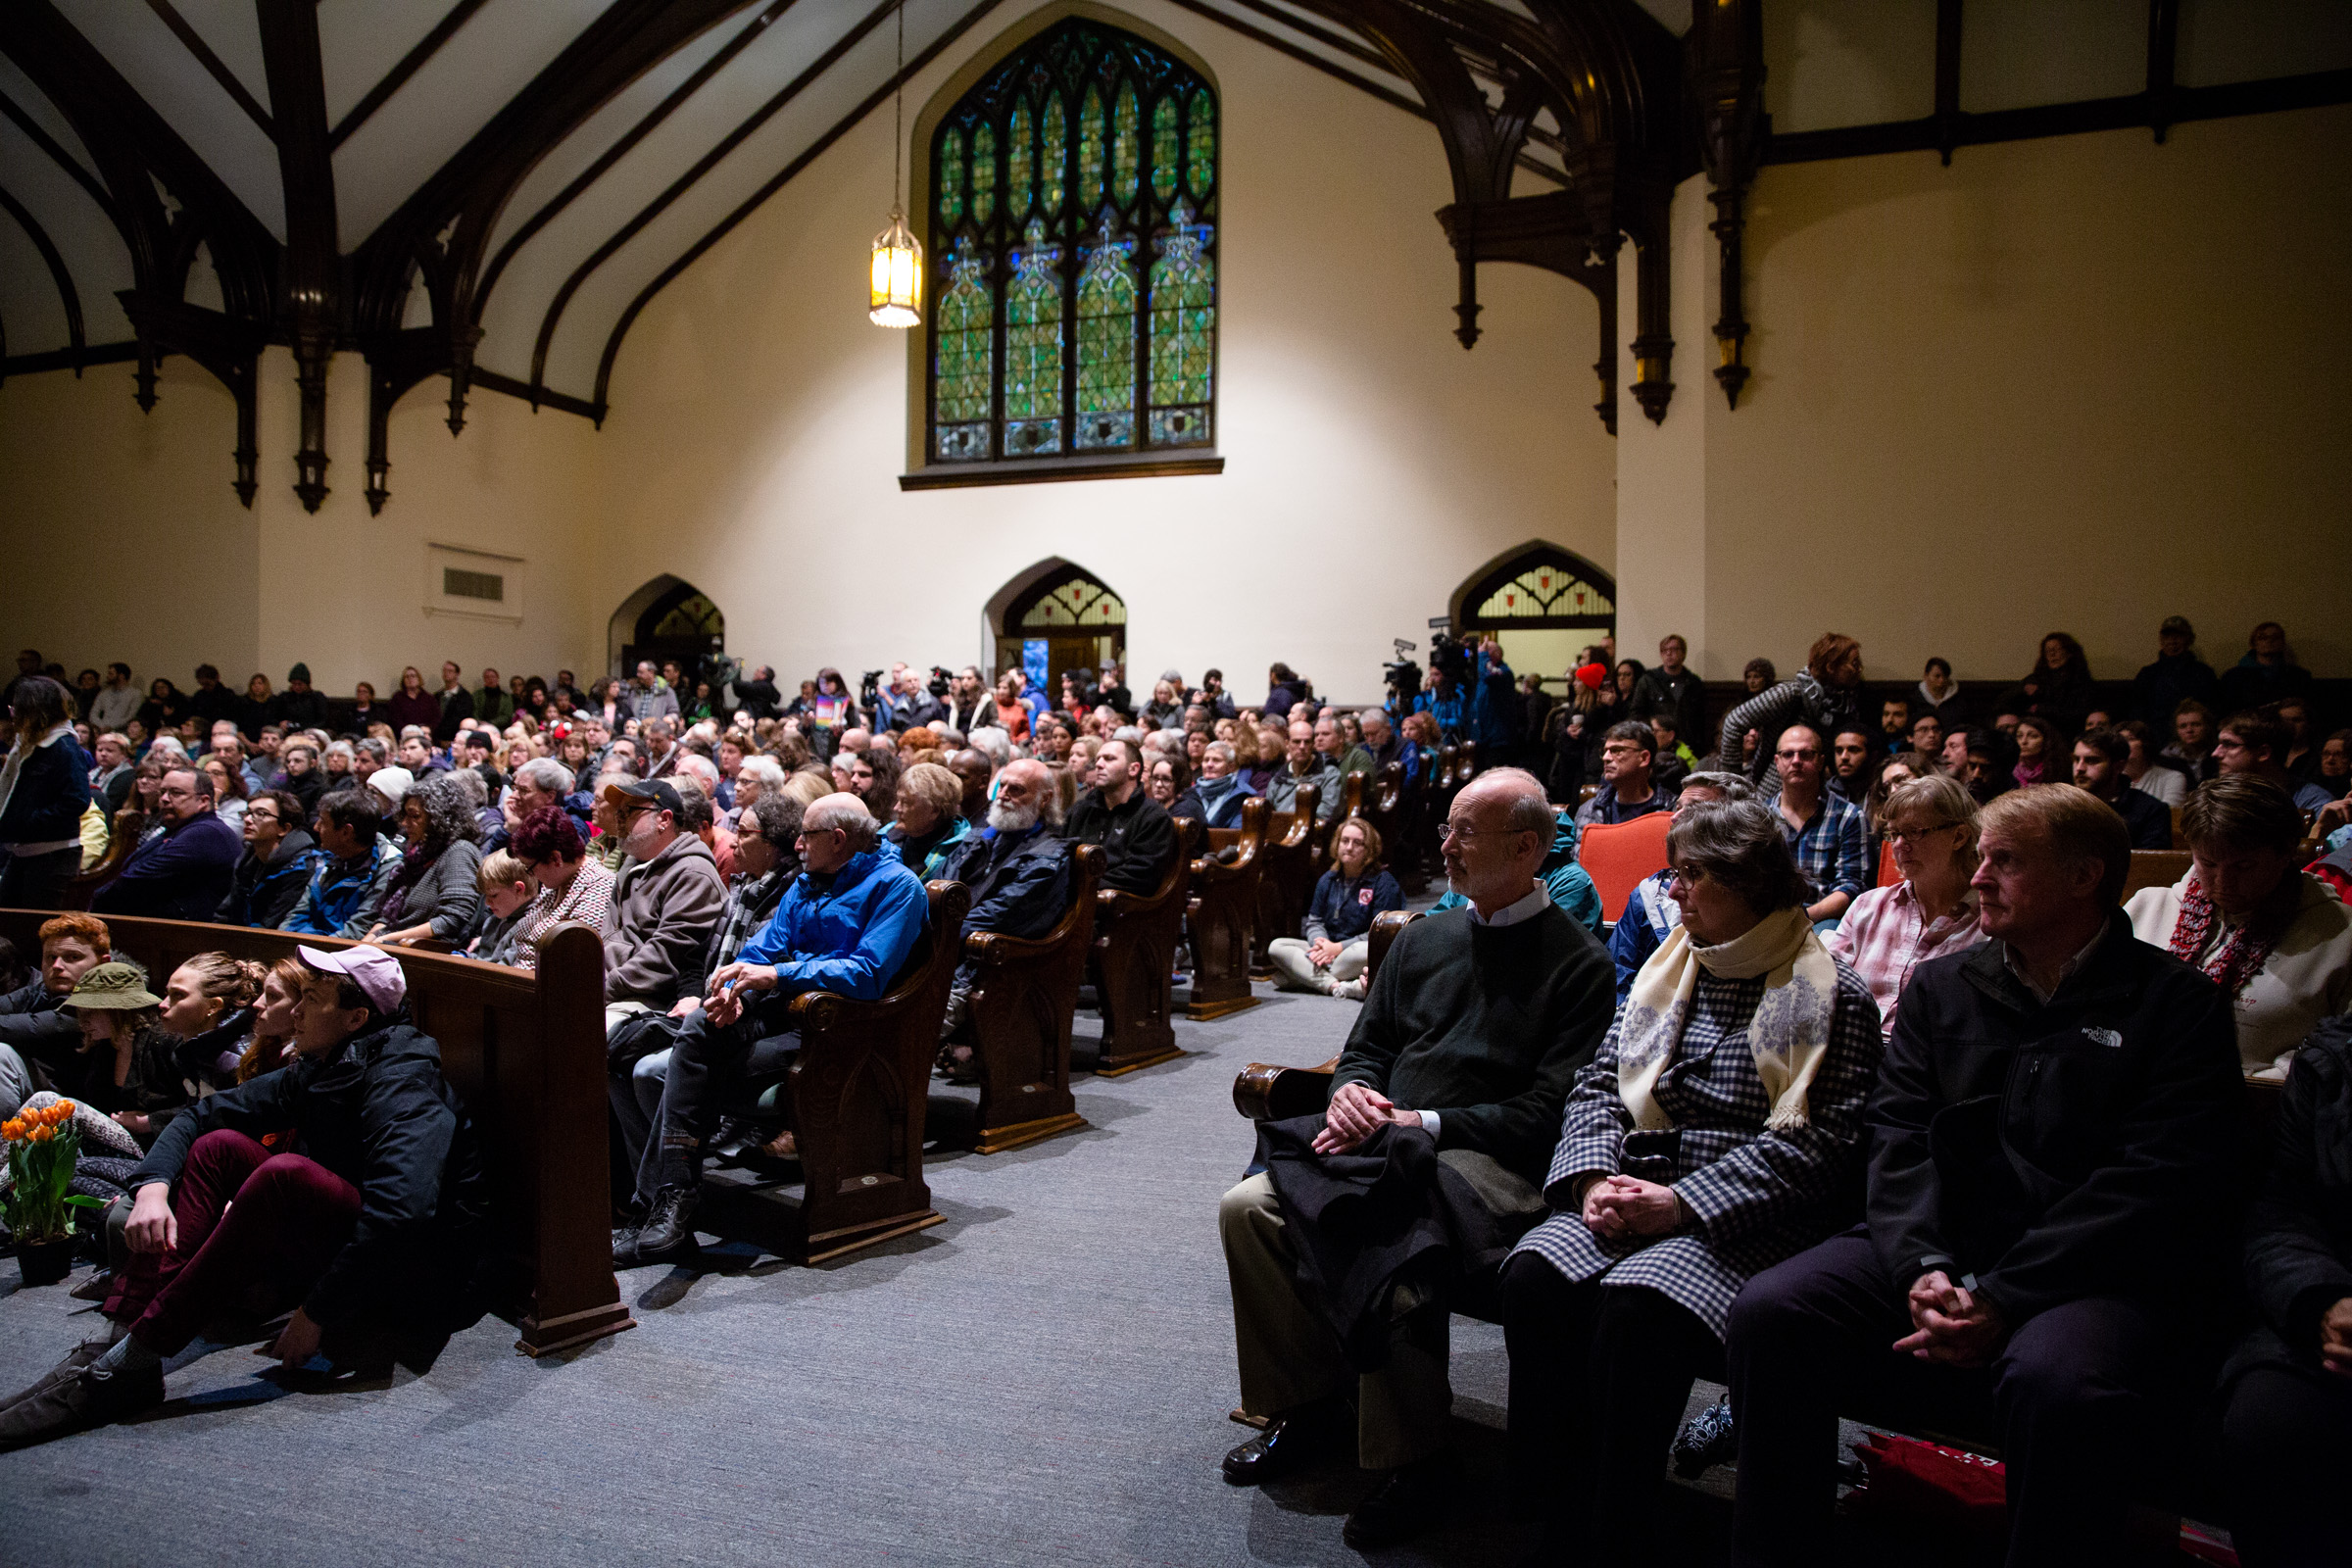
1824	832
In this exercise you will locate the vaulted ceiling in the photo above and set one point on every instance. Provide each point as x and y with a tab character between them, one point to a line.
491	190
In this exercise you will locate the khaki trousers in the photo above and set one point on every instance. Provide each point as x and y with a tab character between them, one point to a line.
1289	956
1290	1357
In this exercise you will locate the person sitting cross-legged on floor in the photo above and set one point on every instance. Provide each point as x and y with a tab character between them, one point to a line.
1717	1133
1019	868
1330	957
848	924
372	1232
1446	1100
2055	1181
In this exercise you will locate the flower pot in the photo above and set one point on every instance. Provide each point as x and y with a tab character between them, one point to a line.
45	1262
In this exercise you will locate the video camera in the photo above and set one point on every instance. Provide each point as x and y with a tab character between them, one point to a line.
869	688
1402	675
1449	657
941	682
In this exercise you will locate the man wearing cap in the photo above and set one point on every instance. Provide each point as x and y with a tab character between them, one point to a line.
665	900
185	873
353	871
847	925
299	707
372	1232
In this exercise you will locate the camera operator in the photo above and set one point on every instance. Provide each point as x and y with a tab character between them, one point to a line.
905	703
1473	697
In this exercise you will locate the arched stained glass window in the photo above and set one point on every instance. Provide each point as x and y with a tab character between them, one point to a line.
1073	238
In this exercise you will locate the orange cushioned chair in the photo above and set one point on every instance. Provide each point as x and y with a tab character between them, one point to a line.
1618	858
1889	873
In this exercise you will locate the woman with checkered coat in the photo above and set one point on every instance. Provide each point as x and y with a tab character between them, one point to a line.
1718	1132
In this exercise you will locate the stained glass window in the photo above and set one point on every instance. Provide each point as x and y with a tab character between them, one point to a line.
1074	240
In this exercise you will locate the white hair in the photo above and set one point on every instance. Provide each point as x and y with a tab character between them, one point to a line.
546	774
764	771
702	771
994	740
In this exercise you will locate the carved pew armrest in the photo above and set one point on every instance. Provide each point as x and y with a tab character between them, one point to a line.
994	947
1266	1092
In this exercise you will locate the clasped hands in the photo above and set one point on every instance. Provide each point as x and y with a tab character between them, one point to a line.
724	999
2336	1338
1356	1113
1952	1324
1323	952
1617	1208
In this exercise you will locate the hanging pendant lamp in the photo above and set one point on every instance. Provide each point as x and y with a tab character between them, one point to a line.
896	291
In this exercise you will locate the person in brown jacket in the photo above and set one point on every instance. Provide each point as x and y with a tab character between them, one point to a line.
665	900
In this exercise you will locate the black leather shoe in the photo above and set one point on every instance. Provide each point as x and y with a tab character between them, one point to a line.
624	1248
1290	1443
669	1232
1413	1499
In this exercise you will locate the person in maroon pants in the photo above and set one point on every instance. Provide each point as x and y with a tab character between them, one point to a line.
346	1185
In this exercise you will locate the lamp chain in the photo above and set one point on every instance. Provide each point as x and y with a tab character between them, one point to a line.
898	114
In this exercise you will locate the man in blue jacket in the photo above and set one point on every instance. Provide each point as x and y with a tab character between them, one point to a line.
846	926
185	873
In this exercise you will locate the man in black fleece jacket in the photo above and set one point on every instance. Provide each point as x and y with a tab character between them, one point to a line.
371	1233
1471	1037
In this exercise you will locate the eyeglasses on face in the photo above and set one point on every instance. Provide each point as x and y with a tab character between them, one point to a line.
1898	835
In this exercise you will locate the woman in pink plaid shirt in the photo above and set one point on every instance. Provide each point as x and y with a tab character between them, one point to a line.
1891	931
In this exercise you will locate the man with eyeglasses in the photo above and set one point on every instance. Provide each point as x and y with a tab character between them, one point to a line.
276	864
2257	743
1459	1062
185	873
1627	789
1824	832
848	926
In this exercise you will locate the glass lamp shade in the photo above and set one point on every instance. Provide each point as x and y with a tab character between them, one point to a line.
898	275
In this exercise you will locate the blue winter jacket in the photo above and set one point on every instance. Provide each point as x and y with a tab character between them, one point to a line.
1222	798
850	935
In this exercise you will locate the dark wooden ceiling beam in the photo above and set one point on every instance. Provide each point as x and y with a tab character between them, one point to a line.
637	222
213	66
782	177
311	312
408	65
556	204
58	272
58	155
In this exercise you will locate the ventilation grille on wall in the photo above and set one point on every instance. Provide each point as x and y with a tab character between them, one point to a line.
487	585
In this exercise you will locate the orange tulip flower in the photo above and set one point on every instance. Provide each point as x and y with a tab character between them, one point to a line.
42	1135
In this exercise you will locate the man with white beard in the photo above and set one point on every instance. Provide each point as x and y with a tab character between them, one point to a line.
1019	868
847	925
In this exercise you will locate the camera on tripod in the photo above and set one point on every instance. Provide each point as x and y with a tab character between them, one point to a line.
941	682
870	689
1401	674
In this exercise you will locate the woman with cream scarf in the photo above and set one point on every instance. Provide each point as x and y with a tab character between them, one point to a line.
1717	1132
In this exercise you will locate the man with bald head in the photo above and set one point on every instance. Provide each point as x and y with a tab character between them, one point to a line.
1451	1086
847	925
1019	868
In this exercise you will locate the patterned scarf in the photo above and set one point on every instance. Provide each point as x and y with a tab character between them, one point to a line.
1789	1035
2247	946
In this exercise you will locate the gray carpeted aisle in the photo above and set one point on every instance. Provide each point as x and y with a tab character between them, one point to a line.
1043	1378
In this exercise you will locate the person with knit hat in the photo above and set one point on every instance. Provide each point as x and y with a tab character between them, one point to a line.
371	1234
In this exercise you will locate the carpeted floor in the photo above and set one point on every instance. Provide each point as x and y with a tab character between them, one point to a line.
1043	1378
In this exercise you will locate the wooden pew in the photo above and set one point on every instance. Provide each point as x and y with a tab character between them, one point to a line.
1289	863
1266	1092
1022	1003
525	1051
1134	958
81	887
858	1090
1355	788
1222	914
1393	810
2155	869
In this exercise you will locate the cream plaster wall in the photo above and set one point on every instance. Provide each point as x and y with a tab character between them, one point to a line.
126	542
2079	383
757	430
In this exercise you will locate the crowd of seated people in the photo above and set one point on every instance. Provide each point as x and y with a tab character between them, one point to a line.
1710	1158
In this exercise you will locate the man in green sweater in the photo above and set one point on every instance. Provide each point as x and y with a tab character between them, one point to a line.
1472	1036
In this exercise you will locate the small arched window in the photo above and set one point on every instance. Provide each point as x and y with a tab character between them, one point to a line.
1074	252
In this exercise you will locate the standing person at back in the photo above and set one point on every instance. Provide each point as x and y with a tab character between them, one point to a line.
1672	688
1822	694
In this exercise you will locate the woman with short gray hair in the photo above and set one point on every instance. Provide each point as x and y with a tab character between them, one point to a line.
1716	1133
1891	931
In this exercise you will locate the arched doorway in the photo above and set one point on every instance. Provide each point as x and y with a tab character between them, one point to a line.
667	619
1057	616
1543	603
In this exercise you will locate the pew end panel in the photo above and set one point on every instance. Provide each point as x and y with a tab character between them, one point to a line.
1022	1005
526	1052
1223	915
1266	1091
860	1090
1135	961
1289	862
